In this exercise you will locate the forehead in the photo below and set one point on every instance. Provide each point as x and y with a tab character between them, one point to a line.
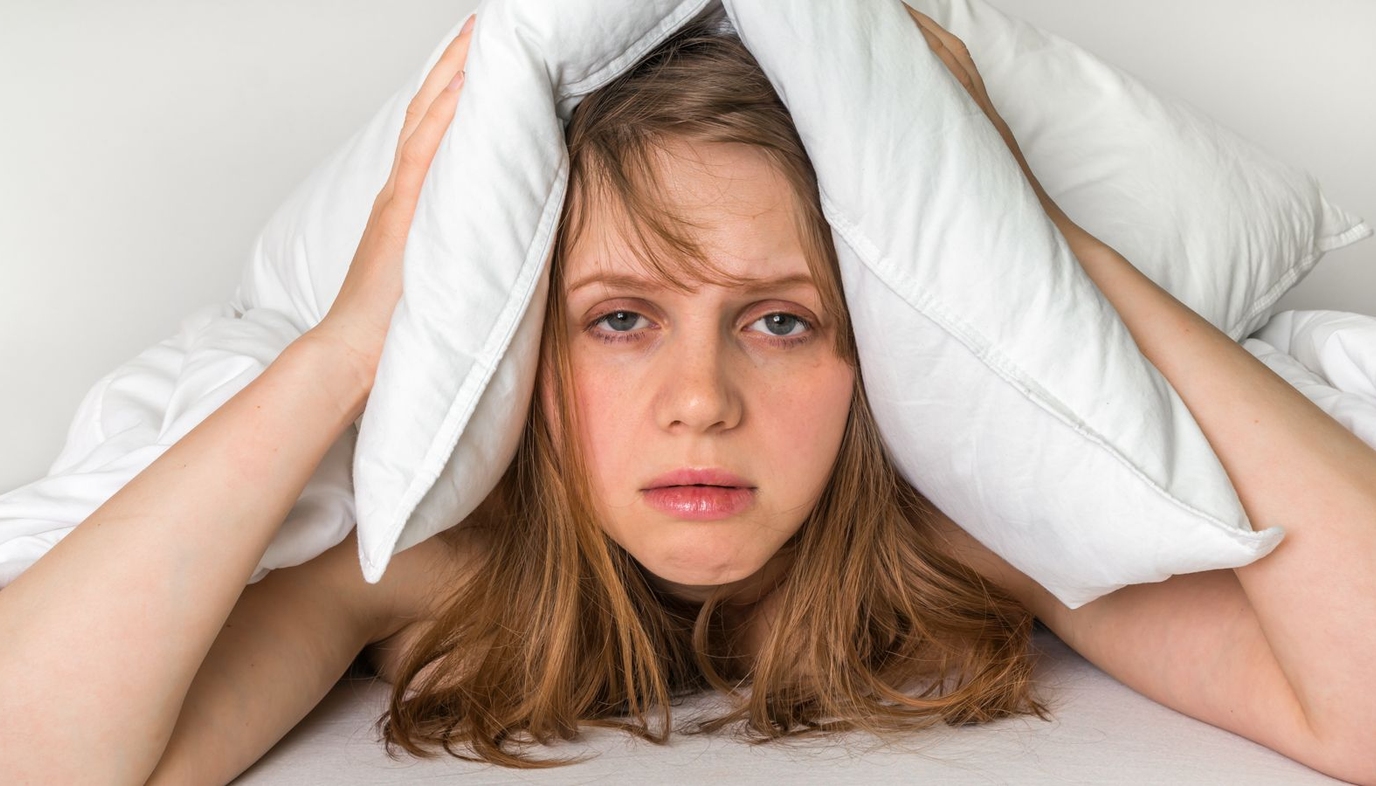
707	213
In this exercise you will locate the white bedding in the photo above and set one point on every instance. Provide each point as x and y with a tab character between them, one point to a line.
1330	357
1101	733
137	411
133	414
296	86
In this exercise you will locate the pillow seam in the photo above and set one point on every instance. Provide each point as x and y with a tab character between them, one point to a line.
997	363
1268	299
617	66
494	351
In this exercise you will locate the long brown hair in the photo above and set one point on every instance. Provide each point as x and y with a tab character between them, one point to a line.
557	627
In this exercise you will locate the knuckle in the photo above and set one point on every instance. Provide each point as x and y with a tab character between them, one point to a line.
384	199
414	111
412	153
388	218
411	156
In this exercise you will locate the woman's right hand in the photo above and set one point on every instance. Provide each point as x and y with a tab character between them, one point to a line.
357	321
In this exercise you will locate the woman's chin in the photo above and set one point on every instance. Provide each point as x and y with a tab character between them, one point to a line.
700	578
702	557
706	573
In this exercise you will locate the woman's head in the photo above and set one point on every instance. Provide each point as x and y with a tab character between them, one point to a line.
697	335
696	322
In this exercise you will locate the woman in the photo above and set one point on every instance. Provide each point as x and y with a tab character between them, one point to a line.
700	499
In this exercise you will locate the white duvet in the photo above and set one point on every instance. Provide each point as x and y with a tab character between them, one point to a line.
133	414
1330	357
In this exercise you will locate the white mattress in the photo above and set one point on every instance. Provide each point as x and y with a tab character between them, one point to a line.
1102	732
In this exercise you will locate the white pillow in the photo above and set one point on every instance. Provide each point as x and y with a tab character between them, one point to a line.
1213	219
997	370
1006	387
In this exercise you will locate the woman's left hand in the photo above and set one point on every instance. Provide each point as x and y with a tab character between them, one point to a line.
956	56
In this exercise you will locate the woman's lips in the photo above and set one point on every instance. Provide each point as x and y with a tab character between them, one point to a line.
699	493
700	503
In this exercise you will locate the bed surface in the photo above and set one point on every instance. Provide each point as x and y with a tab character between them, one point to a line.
1101	732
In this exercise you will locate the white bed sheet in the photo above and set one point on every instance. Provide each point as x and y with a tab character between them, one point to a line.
1101	732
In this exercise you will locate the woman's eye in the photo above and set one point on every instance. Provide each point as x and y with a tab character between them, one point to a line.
622	321
782	325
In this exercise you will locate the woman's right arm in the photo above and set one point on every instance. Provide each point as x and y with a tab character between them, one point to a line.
103	635
287	642
101	639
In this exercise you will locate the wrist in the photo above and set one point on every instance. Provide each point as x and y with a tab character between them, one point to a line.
335	367
1080	241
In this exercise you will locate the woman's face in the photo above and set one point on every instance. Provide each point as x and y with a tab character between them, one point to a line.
709	419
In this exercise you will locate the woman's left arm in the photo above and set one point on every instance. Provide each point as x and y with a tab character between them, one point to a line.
1282	651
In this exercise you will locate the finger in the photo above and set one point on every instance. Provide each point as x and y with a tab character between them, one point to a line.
947	39
952	52
932	41
952	63
418	151
957	46
450	63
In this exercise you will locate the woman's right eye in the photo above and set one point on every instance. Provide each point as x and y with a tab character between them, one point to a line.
622	321
619	325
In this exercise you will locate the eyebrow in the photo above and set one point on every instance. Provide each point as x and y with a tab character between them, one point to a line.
641	284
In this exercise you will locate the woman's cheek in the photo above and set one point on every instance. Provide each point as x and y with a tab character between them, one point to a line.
816	413
604	401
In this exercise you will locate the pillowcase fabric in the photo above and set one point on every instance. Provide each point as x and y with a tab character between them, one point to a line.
1005	384
1006	387
1216	221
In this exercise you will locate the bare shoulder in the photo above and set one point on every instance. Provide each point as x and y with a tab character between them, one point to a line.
421	582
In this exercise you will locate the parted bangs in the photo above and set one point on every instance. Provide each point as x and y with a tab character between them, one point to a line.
621	136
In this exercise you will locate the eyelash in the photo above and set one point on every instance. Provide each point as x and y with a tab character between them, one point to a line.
619	337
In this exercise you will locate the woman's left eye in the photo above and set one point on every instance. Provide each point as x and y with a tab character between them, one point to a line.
781	325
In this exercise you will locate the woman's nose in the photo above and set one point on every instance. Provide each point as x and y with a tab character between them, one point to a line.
699	389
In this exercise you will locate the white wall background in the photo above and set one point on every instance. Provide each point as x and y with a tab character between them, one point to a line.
144	143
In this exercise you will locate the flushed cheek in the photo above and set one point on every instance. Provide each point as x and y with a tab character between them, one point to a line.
803	422
609	417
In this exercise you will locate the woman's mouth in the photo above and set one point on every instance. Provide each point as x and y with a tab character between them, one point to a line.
699	494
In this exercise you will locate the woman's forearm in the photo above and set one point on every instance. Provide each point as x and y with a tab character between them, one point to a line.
1292	465
1282	649
103	635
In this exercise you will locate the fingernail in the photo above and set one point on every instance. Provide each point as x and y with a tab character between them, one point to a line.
468	25
457	81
